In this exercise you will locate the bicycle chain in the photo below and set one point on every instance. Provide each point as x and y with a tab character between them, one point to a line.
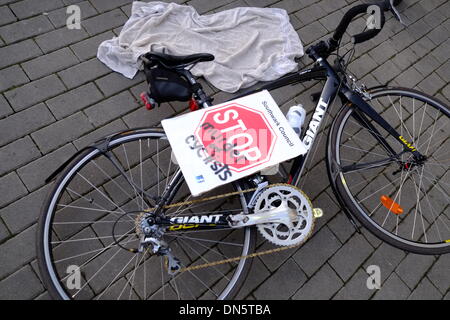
238	258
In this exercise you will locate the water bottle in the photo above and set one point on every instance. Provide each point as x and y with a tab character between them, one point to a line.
296	117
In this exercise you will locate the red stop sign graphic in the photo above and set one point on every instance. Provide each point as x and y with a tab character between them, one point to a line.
237	136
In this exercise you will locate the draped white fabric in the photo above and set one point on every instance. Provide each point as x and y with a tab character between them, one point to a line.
249	44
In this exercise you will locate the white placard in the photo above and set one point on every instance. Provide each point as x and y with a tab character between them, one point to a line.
229	141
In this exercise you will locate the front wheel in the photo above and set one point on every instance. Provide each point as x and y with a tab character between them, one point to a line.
401	201
91	226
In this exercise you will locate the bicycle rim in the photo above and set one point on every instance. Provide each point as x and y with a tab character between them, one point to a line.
67	239
403	204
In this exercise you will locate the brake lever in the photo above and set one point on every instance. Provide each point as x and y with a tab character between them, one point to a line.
396	13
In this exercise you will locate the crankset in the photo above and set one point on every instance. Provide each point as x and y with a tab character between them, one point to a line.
283	215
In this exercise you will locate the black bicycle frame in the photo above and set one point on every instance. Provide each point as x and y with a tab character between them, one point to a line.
334	86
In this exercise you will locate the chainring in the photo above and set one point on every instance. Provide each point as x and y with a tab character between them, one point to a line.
301	226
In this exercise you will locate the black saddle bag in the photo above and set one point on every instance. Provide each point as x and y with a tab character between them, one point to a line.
167	85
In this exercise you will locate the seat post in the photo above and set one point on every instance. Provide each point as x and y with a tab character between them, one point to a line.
202	98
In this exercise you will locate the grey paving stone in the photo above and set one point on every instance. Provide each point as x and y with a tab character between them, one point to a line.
127	9
49	63
11	188
444	71
205	6
258	273
386	72
106	5
418	29
260	3
316	251
425	291
112	127
341	227
44	296
142	117
24	122
5	109
28	8
438	35
438	274
441	52
115	82
60	38
413	267
17	154
310	14
34	92
387	258
447	296
293	5
355	288
274	261
322	286
383	52
83	72
4	233
6	16
25	29
311	32
319	178
331	6
87	49
392	289
330	210
405	59
331	21
17	251
18	52
111	108
21	285
435	18
402	40
410	78
426	65
24	212
432	84
11	77
283	283
74	100
62	131
59	17
350	256
104	22
445	92
422	46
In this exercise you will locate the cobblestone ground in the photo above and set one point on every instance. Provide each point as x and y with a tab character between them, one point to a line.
56	97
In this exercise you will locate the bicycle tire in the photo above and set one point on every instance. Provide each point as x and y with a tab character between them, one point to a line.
341	184
56	289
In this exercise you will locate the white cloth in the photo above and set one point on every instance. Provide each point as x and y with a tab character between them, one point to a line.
249	44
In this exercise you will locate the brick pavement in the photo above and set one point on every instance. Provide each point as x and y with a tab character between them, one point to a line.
56	97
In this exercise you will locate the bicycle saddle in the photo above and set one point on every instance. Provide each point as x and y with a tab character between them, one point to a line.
172	61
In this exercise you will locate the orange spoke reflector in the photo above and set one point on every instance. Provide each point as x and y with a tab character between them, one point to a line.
391	205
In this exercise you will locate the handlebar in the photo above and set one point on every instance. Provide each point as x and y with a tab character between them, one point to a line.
326	48
347	19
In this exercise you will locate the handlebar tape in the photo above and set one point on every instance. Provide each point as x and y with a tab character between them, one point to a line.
347	19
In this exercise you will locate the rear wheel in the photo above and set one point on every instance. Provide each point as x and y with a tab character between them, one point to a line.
89	230
403	202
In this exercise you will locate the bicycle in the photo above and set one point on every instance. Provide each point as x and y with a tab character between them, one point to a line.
111	229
